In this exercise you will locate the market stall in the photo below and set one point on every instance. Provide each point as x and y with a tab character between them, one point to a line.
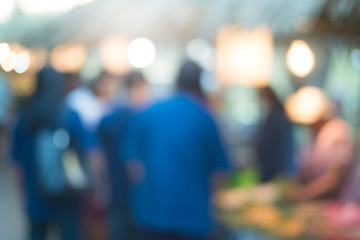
262	212
259	58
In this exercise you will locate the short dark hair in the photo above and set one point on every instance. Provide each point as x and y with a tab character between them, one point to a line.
270	95
44	105
133	78
188	79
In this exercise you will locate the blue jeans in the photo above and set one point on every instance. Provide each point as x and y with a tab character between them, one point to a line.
67	226
151	234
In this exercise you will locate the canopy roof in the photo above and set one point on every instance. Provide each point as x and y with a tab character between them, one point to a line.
177	21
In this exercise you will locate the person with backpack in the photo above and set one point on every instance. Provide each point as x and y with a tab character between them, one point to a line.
50	148
175	157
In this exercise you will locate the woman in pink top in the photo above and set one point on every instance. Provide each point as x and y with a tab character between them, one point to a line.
327	166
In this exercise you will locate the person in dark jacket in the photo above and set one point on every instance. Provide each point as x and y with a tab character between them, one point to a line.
275	145
42	111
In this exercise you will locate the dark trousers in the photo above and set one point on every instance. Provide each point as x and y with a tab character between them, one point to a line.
121	224
68	228
151	234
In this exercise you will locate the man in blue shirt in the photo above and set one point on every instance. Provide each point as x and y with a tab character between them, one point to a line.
177	150
111	132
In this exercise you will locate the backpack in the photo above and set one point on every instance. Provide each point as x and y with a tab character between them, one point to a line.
61	175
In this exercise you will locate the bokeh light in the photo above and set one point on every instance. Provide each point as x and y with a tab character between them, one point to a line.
24	84
38	57
300	58
161	72
141	52
242	105
308	105
17	48
243	57
7	8
4	51
114	56
68	58
9	63
22	62
209	82
92	67
200	51
197	47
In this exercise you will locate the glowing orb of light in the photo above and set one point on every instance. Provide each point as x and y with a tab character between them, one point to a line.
4	51
300	58
308	105
9	63
141	52
22	62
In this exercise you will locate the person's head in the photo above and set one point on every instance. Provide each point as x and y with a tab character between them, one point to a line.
72	81
188	79
46	99
49	83
106	85
137	87
328	113
269	97
316	126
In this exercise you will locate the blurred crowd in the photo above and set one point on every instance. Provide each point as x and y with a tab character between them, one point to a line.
107	161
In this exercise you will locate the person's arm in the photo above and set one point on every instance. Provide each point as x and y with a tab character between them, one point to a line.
287	148
92	154
129	150
84	140
334	177
218	180
325	185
